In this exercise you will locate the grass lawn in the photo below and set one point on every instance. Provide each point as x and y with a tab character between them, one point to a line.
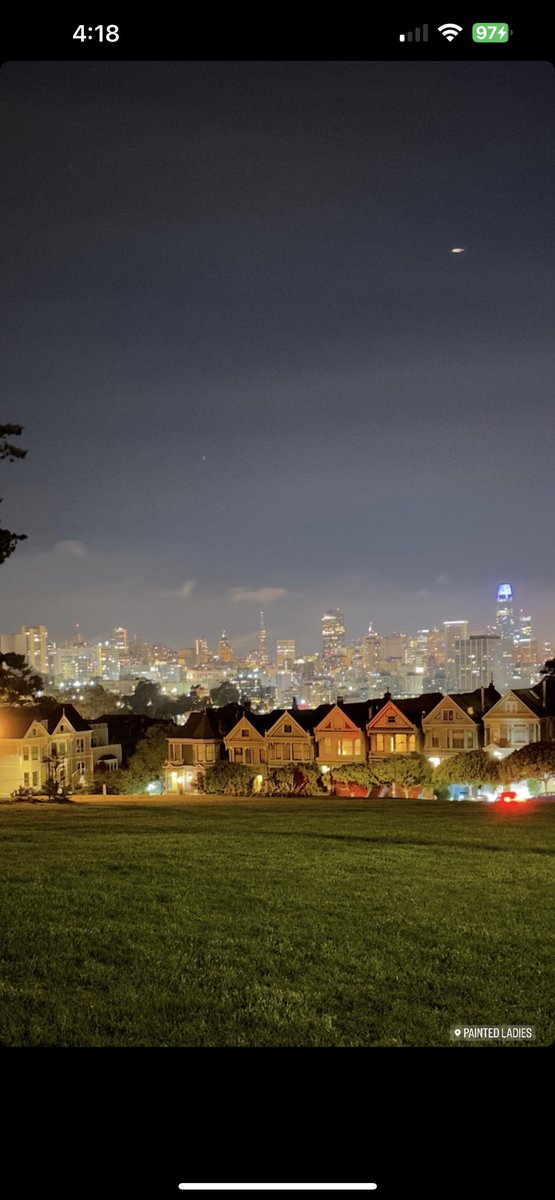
310	922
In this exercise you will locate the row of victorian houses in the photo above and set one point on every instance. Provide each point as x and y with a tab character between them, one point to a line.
333	735
36	744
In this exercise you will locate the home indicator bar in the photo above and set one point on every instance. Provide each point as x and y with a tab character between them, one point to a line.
278	1187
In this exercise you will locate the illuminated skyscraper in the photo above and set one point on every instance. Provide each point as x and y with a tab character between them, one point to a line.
371	650
505	628
526	652
477	661
333	638
504	617
201	651
285	655
225	650
262	656
36	647
120	640
452	630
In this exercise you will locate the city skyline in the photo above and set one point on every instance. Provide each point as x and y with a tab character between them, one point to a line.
264	640
250	371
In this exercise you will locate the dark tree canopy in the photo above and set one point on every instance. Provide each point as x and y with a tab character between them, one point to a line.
9	540
537	760
146	764
18	683
146	698
225	693
474	767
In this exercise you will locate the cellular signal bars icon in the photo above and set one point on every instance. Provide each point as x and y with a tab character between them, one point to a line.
415	35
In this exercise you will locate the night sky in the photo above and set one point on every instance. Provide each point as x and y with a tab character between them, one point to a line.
250	371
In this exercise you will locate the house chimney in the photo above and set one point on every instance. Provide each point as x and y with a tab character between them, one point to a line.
387	695
339	700
544	692
482	700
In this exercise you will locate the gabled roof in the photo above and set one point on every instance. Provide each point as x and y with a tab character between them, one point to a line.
302	718
358	711
547	686
530	697
533	698
14	721
417	706
468	701
75	719
361	711
414	708
264	721
210	724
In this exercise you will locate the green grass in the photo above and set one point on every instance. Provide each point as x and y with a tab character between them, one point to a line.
273	923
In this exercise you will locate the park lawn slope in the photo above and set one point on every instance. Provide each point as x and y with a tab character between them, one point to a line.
273	922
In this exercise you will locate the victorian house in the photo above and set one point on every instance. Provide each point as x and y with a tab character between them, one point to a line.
522	716
456	722
397	726
37	744
340	732
197	745
246	742
290	738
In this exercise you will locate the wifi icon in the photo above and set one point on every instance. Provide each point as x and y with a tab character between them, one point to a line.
449	30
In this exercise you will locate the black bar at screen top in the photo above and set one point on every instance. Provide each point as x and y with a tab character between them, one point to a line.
50	37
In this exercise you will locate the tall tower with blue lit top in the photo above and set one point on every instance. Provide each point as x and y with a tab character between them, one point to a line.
505	626
504	618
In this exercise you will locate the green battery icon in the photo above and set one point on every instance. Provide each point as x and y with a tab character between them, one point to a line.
484	32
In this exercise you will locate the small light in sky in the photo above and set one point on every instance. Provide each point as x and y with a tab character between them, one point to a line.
457	250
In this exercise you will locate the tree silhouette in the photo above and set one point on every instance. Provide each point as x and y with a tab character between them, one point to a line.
9	540
18	683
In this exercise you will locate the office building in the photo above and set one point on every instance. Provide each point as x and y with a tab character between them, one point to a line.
333	639
36	647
